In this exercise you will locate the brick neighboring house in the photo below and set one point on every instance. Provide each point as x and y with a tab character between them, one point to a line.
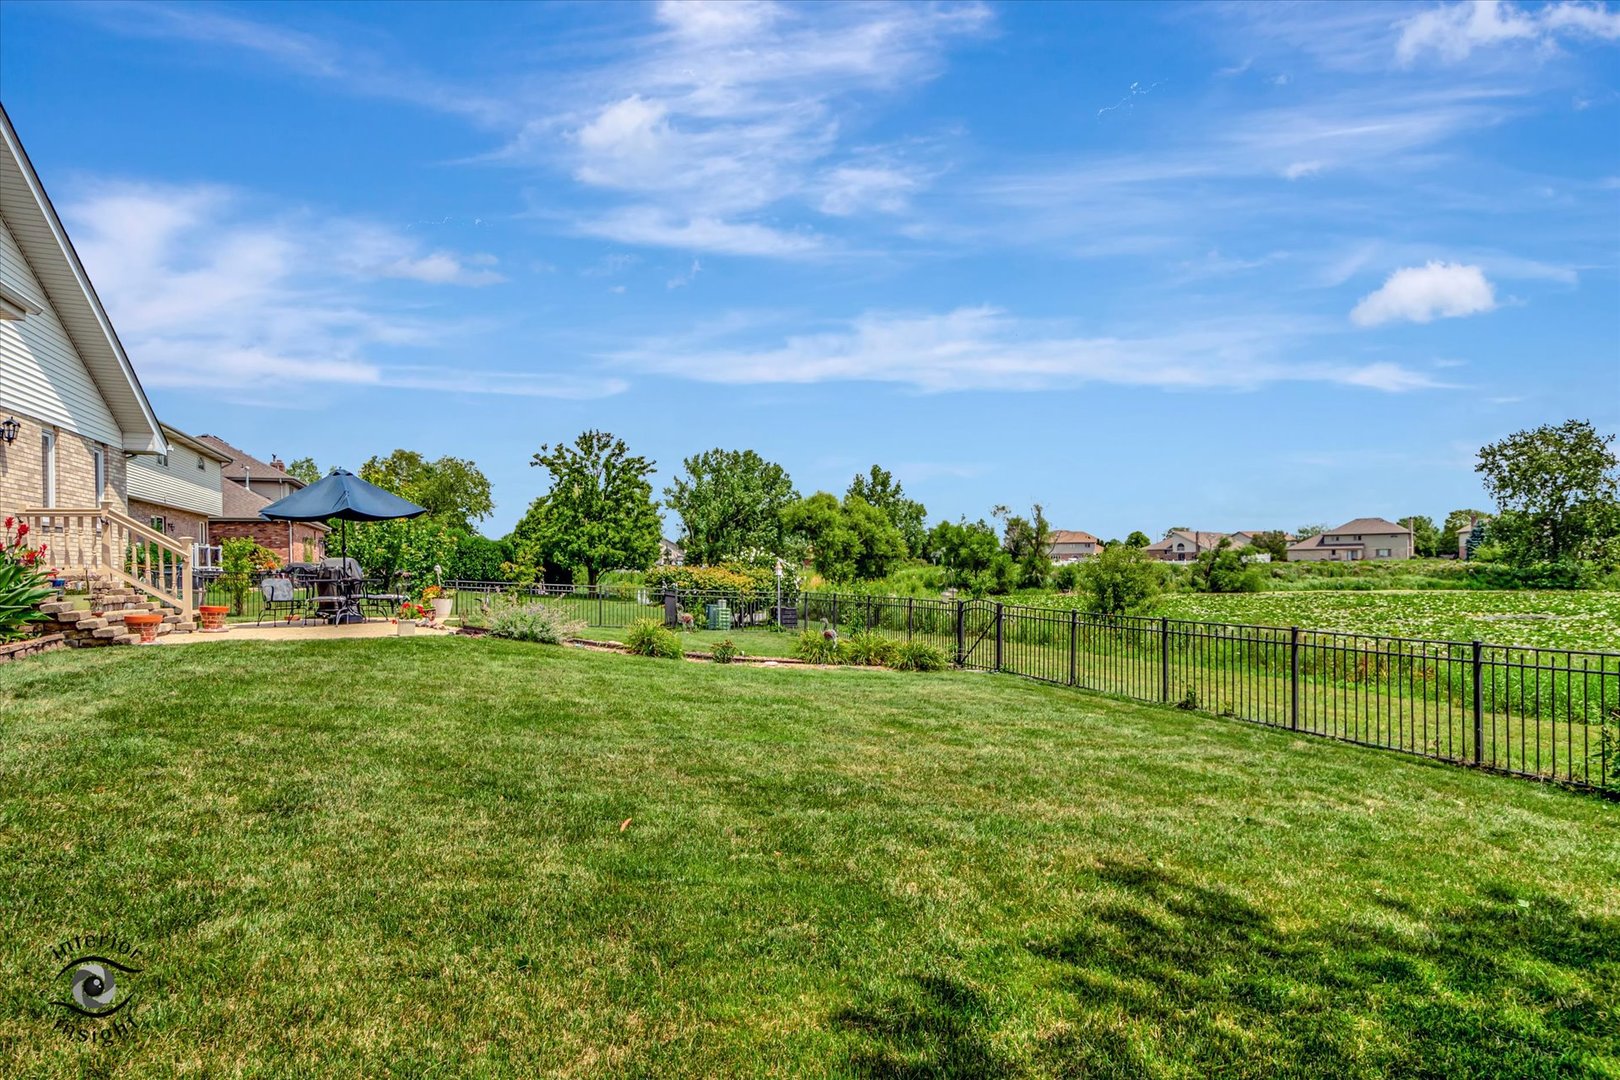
1184	545
670	553
178	493
1363	538
1072	545
249	486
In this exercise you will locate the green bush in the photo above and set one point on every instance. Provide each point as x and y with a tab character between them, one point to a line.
541	622
650	638
868	648
725	651
22	589
919	656
819	647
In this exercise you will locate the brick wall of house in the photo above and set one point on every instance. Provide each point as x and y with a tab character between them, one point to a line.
272	535
176	523
22	473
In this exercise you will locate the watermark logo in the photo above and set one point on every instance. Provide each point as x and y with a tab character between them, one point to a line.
93	986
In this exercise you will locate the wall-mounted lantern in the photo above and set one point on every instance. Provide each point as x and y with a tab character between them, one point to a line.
9	429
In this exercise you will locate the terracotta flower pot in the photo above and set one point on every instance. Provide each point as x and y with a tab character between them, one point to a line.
145	623
213	617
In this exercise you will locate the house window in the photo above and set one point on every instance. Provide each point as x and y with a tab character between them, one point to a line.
156	522
163	460
200	464
1382	553
99	457
47	468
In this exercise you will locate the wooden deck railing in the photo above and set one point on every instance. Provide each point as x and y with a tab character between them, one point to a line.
100	540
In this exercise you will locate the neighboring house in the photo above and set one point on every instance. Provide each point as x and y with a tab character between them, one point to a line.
179	492
249	485
1071	545
1184	545
72	411
1363	538
670	553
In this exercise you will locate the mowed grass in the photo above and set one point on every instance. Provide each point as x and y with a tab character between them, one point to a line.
409	858
752	641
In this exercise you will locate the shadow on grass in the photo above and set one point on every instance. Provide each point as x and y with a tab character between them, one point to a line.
1168	977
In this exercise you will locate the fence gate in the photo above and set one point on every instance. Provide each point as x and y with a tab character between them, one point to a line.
976	634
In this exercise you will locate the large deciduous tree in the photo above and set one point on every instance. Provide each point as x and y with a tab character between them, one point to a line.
1426	538
1120	579
730	503
453	489
1029	542
880	489
599	513
849	540
1557	490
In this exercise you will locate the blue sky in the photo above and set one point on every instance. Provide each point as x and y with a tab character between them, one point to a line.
1151	265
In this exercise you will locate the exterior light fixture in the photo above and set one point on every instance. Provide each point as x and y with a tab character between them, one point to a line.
10	429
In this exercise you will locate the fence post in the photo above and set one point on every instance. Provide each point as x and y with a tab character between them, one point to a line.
1074	643
911	607
1164	659
1293	678
835	611
961	633
601	608
998	637
1479	702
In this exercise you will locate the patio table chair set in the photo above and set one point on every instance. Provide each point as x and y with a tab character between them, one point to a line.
332	590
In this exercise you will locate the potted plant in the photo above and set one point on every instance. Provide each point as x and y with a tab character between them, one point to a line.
145	623
442	601
409	614
213	617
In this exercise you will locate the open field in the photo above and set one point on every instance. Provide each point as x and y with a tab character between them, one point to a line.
456	855
1564	620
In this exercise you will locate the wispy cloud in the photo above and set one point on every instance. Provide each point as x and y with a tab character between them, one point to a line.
983	348
210	289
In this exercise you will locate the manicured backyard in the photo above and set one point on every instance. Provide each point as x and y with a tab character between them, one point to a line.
454	855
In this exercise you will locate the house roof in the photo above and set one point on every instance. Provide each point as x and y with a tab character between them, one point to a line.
240	504
1374	525
175	435
1200	540
240	465
1072	536
33	223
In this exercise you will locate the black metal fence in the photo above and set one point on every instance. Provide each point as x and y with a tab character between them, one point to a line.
1551	714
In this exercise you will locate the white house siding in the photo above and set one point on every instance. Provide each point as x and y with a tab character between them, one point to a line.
179	484
41	373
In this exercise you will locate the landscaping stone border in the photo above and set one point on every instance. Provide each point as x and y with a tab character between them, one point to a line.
33	646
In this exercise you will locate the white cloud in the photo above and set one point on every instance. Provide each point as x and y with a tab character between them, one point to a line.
650	226
858	189
209	290
982	348
728	110
1424	293
1301	169
1453	32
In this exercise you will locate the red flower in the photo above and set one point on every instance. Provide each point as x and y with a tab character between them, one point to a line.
22	530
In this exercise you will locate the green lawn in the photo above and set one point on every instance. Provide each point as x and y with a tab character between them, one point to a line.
405	858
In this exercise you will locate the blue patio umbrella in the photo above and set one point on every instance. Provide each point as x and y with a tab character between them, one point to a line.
341	494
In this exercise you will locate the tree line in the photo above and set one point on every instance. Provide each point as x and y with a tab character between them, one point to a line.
1554	489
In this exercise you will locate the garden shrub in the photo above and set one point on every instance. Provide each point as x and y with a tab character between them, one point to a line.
734	581
868	648
535	621
919	656
239	559
819	647
22	583
725	651
651	638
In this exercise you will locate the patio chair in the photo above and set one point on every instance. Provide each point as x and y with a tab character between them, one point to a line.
279	594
